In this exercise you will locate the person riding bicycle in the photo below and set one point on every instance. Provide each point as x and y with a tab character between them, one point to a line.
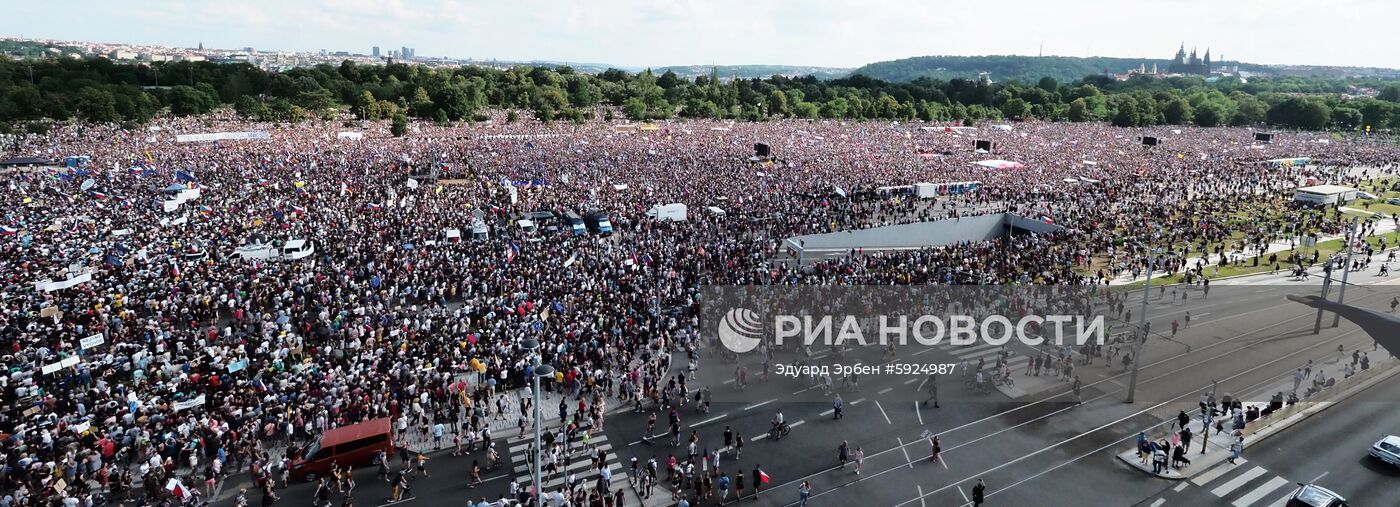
492	457
981	381
778	420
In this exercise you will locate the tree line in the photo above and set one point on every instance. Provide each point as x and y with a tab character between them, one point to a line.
99	90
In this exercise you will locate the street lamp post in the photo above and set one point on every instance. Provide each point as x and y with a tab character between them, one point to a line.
1137	347
1342	291
539	370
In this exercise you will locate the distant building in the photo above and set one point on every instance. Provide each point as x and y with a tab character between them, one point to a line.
374	51
406	52
121	54
1191	65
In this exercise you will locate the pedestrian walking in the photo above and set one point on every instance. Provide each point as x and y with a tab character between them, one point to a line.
1236	449
842	453
935	448
836	407
804	491
859	458
979	493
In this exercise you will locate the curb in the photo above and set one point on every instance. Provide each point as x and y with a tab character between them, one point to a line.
1217	456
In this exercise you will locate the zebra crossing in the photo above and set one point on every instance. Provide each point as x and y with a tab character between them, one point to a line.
1245	485
580	464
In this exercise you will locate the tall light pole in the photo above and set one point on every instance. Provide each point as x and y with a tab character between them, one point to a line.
538	370
1137	347
1342	291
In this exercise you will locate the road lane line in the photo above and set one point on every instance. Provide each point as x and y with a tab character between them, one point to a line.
906	453
921	497
911	381
1159	502
1239	480
1281	502
1180	487
1318	478
920	412
885	390
1104	395
710	420
756	405
960	492
882	412
857	401
1259	492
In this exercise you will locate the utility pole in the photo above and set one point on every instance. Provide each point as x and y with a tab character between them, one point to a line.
1342	291
1140	340
1326	284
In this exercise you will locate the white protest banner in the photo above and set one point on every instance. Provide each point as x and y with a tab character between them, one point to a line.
181	405
70	361
238	366
220	136
92	341
50	368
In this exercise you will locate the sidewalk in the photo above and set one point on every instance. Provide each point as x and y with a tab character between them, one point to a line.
1217	445
1382	227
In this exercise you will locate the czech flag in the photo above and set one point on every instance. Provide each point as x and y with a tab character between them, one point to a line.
374	205
97	195
763	476
298	210
206	210
6	230
1047	219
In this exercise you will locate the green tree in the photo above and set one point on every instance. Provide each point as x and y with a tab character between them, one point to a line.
186	101
421	106
1016	108
96	105
778	103
1346	118
248	107
399	127
1127	113
1079	110
1210	114
283	110
635	109
1178	112
1390	93
366	107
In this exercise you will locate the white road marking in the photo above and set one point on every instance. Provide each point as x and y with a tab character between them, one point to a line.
1318	478
858	401
1159	502
885	390
1259	492
710	420
882	412
1180	487
960	492
921	497
1219	470
1282	501
906	453
756	405
1239	480
919	412
400	501
911	381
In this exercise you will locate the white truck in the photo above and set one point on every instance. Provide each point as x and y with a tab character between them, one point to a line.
675	212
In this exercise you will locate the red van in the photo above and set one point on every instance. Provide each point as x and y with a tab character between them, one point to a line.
355	445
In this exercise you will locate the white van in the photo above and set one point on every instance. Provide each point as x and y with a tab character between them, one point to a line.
297	249
293	250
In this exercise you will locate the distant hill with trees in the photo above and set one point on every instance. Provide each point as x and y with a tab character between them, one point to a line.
1028	69
36	91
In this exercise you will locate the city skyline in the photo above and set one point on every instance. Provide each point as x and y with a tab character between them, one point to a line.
624	33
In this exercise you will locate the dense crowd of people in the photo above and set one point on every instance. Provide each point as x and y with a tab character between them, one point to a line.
207	357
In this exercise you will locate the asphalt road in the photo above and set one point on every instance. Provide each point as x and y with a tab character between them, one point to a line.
1328	449
1037	450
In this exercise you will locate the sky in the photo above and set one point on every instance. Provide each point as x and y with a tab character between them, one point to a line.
826	33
